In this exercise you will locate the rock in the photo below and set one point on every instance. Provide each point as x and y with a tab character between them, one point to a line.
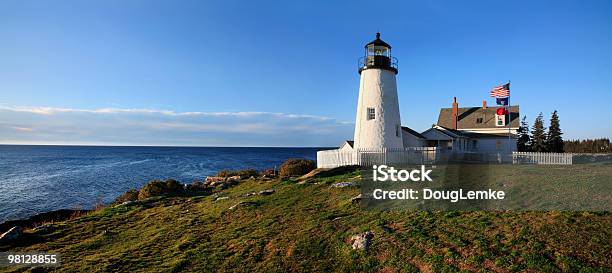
356	199
221	198
343	184
12	234
129	202
267	192
362	241
234	178
107	232
311	174
319	173
250	194
386	229
45	228
213	180
218	194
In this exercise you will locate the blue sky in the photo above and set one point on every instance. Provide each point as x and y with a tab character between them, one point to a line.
260	73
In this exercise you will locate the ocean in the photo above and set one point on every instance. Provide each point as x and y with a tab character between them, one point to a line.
35	179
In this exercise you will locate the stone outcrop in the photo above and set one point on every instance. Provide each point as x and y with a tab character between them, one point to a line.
12	234
362	241
266	192
343	184
356	199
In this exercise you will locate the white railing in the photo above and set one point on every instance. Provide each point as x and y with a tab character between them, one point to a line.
431	155
542	158
369	157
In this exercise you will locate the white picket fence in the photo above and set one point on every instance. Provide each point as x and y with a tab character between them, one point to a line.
542	158
431	155
369	157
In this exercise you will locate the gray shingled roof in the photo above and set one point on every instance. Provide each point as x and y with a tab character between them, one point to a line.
350	143
412	132
467	117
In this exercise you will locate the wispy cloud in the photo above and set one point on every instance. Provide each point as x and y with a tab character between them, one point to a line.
22	129
131	126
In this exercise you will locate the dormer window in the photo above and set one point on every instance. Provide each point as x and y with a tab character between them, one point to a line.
500	120
371	114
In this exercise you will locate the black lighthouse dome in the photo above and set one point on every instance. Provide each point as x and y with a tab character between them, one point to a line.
378	55
378	42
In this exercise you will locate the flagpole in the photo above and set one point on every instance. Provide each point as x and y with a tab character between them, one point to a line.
509	121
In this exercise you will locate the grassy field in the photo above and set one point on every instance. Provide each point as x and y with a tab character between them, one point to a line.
306	228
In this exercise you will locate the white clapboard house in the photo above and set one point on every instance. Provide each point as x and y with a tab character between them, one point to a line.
474	129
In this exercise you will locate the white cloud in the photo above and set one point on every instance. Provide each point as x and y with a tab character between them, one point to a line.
127	126
22	129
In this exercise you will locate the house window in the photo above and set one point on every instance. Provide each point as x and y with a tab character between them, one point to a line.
498	145
479	120
371	113
397	130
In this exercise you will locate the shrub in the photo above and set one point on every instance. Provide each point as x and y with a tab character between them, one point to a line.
153	188
157	188
196	186
269	172
242	173
295	167
173	186
225	173
247	173
130	195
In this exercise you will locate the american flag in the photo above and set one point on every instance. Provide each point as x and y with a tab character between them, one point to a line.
501	91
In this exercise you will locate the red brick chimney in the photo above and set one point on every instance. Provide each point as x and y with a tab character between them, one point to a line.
484	104
455	112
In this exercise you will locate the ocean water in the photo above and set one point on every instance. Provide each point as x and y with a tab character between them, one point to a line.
36	179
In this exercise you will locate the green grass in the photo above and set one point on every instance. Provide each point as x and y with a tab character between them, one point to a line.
306	228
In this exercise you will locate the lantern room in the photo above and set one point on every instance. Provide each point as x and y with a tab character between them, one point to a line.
378	55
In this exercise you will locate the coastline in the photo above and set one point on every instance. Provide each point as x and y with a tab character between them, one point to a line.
40	179
44	217
313	224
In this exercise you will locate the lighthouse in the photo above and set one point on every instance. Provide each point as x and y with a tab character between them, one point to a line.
377	122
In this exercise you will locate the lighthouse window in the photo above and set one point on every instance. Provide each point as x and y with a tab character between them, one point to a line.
371	113
378	50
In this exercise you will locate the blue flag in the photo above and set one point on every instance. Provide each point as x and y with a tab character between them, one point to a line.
502	101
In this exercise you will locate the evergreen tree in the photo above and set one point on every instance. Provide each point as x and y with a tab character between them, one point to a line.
538	135
554	141
600	145
522	142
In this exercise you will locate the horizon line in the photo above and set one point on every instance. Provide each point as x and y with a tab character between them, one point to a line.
159	146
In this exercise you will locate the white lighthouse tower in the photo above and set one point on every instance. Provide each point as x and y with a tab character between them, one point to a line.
377	124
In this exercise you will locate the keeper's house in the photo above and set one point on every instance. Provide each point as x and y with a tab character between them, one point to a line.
474	129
